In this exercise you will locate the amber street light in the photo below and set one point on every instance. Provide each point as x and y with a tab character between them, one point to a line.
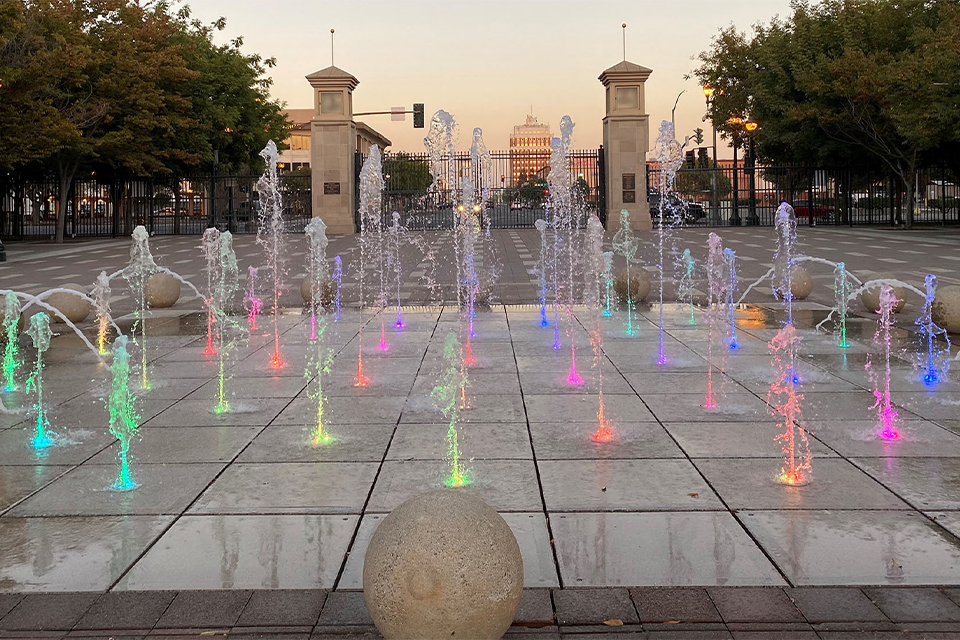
708	92
476	208
751	126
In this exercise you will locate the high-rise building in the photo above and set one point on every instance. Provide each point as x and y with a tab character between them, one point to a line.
529	150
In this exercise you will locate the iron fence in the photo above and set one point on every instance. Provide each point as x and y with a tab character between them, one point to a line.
29	208
514	186
728	196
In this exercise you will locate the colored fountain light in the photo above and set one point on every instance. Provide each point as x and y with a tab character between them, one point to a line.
730	257
886	414
11	348
226	284
686	282
841	287
447	396
670	158
270	234
39	330
316	233
371	202
124	421
101	297
715	287
607	282
626	244
141	267
784	401
594	274
541	226
252	303
933	360
210	245
337	277
321	361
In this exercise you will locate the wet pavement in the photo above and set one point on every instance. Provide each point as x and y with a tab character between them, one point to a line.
675	525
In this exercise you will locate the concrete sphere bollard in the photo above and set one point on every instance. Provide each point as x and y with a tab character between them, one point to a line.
162	291
639	285
443	565
75	308
801	284
327	291
946	308
871	299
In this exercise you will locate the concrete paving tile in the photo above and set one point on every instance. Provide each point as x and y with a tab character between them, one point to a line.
618	408
126	610
204	609
344	410
19	482
297	443
933	406
754	604
926	483
72	554
505	383
344	608
915	604
506	485
240	389
688	407
725	440
856	547
476	440
183	444
627	549
594	606
164	489
630	440
71	448
530	530
536	609
625	485
48	611
288	487
819	604
838	484
481	408
674	605
860	438
344	384
199	413
556	383
9	600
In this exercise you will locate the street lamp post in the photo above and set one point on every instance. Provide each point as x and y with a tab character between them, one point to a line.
752	218
714	199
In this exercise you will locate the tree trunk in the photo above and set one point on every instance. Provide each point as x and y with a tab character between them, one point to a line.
66	170
910	192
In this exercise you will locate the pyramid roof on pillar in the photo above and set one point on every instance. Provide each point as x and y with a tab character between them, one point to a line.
625	69
334	74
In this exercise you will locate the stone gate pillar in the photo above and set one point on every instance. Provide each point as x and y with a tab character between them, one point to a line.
333	143
626	138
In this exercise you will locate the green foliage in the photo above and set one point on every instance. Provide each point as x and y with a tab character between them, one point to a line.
126	88
407	173
866	83
531	192
701	181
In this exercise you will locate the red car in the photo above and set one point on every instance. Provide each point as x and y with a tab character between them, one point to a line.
804	209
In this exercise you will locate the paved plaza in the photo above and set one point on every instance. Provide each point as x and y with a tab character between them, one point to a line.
675	528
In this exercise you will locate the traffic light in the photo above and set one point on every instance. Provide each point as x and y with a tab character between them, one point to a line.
418	115
691	159
703	160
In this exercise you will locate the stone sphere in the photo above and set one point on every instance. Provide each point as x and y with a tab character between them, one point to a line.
162	291
639	285
328	291
946	308
871	299
75	308
443	565
801	284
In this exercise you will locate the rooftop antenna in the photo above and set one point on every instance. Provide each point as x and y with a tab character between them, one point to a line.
623	26
331	47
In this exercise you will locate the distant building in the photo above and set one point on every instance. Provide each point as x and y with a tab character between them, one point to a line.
529	150
297	155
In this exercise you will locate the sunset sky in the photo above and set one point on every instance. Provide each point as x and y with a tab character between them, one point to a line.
488	61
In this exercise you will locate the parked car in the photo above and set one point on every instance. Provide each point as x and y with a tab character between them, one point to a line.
813	211
691	211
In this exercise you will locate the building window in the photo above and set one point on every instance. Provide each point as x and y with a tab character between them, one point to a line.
331	102
628	98
300	143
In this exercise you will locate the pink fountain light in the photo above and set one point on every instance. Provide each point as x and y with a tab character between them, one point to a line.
784	400
886	414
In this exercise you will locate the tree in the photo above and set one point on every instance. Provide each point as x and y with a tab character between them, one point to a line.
865	83
126	88
407	173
